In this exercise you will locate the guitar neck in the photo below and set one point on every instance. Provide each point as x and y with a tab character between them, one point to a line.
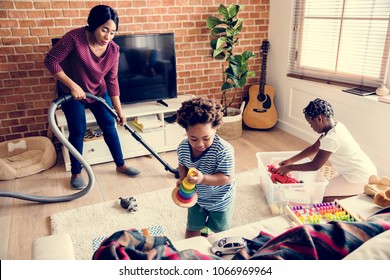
263	74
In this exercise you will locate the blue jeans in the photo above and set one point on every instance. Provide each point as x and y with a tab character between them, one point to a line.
74	111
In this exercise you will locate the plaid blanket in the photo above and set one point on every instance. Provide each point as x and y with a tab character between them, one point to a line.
133	245
331	241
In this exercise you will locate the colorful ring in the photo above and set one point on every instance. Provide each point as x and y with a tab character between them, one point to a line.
185	195
186	185
186	191
182	200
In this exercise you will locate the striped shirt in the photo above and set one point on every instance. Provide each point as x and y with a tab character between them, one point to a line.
218	158
93	74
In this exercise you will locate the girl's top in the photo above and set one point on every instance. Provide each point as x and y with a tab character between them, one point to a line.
93	74
347	158
218	158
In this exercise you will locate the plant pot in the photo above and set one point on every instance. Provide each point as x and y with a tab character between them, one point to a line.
232	124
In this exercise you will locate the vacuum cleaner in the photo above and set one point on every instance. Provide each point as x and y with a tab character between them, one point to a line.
91	176
135	135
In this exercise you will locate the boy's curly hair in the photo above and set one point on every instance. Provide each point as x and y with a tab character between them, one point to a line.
200	110
318	107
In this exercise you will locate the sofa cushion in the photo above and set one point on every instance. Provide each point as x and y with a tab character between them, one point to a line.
274	226
53	247
200	243
376	248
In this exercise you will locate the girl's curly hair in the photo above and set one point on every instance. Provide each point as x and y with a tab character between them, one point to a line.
318	107
200	110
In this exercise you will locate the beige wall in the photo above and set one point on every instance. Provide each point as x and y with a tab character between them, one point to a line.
367	119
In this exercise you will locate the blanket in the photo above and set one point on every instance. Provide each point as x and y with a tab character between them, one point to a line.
133	245
330	241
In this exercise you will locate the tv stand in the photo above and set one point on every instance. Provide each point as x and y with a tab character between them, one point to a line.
166	138
162	102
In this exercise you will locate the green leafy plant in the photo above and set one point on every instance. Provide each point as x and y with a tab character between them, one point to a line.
224	32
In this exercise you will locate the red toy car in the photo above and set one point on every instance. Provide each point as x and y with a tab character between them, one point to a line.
282	179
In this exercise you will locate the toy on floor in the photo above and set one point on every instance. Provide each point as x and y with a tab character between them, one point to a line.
379	189
129	203
228	245
282	179
186	195
206	231
320	213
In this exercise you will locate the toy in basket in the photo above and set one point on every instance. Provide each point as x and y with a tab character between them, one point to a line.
320	213
186	196
282	179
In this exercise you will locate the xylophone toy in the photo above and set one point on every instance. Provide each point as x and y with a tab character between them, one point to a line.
320	213
185	196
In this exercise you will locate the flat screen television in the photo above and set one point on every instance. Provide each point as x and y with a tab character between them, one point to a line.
147	67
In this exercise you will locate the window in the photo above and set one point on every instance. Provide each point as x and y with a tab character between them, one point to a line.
344	42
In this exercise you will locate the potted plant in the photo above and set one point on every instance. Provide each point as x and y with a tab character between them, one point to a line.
224	32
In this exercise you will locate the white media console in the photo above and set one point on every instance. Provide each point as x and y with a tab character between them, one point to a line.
166	138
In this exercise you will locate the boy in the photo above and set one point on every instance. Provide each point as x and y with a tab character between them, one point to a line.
213	159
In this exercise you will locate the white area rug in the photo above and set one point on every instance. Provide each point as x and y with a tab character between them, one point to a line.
155	208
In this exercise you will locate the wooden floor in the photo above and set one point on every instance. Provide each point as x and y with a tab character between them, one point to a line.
22	221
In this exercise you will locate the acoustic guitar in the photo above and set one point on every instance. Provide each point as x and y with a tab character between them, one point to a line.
260	112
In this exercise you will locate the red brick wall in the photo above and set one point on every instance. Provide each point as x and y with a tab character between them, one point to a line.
26	29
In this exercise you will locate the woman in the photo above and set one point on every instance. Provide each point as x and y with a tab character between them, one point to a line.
86	60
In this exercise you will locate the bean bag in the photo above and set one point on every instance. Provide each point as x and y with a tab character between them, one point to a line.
26	156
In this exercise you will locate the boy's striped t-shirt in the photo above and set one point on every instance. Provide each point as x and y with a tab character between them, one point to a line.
218	158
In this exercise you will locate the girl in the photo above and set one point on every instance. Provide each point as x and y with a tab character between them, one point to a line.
338	146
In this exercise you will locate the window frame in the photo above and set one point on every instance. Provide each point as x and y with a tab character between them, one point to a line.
296	70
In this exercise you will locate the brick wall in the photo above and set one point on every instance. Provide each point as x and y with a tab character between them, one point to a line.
26	29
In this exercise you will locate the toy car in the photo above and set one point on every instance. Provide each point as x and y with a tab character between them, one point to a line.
283	179
227	245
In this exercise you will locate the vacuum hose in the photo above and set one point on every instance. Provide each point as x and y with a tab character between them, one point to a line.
91	176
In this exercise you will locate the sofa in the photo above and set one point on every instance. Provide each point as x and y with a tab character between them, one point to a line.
60	247
362	205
